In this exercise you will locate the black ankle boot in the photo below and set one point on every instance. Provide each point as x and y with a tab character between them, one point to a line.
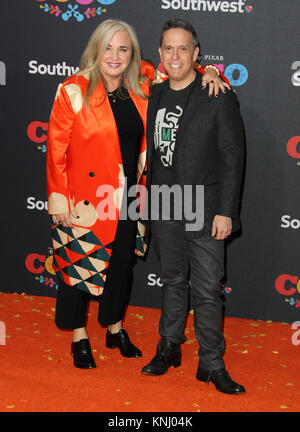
121	340
82	354
167	354
221	379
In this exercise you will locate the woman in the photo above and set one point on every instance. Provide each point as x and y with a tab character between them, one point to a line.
96	137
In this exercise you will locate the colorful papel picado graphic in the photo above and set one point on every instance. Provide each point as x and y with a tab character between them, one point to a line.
78	10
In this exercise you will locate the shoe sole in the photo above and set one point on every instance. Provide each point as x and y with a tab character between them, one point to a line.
84	367
221	391
90	366
124	355
231	393
175	365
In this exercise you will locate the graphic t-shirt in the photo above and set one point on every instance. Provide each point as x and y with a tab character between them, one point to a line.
167	123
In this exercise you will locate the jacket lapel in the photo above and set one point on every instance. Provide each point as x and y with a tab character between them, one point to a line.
151	116
191	107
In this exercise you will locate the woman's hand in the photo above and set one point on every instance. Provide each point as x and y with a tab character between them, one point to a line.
214	82
64	218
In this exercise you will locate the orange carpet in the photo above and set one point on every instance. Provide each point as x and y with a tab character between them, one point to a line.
37	374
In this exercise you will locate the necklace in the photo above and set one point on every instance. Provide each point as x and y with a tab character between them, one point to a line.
112	95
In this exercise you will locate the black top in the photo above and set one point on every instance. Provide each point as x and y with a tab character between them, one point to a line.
130	130
167	123
168	116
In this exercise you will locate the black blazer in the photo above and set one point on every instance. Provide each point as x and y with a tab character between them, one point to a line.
209	148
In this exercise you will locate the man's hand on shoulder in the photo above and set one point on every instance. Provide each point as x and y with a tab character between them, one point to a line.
221	227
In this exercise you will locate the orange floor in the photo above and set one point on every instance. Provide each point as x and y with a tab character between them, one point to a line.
37	374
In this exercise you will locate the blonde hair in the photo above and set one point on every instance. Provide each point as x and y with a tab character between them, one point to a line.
95	49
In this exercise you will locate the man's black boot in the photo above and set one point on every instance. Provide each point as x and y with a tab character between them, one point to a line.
167	354
221	379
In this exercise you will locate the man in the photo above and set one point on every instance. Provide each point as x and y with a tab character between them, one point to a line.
204	147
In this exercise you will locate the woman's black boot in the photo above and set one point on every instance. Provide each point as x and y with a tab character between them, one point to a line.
82	354
121	340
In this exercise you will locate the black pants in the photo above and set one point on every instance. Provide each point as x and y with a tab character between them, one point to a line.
71	307
72	303
187	262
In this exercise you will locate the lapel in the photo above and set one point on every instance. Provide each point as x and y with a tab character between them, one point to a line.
151	116
192	106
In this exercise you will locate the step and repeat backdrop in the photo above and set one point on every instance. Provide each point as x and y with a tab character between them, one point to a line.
256	43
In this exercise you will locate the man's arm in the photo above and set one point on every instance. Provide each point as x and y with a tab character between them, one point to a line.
231	161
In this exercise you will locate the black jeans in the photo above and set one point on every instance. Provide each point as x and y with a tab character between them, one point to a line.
195	263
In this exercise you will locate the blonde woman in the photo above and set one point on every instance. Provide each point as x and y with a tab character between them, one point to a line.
96	137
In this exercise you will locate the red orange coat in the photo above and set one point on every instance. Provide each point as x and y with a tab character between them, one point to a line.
83	153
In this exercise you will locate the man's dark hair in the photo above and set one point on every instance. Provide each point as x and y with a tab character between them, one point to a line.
180	24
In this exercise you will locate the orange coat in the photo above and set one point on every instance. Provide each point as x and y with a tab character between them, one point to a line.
83	153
